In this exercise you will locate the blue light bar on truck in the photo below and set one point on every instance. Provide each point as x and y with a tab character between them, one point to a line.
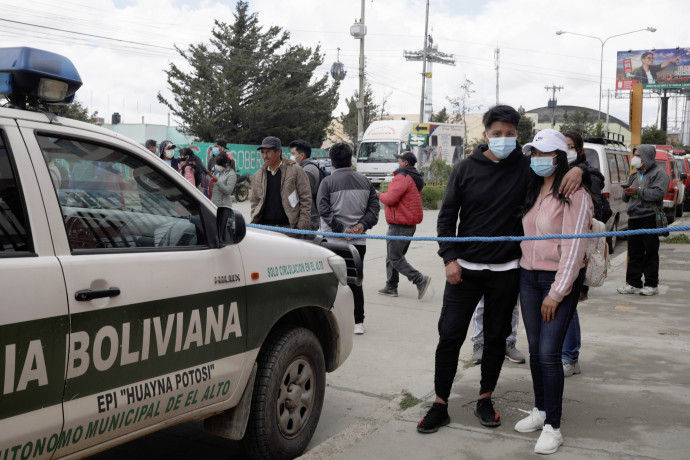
37	76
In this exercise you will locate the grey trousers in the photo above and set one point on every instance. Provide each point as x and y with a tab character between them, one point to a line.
396	263
478	323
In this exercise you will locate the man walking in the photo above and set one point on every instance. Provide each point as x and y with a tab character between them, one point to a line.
301	153
644	194
403	207
280	194
348	204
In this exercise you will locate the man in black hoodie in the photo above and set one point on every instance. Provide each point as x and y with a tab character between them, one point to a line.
487	192
403	206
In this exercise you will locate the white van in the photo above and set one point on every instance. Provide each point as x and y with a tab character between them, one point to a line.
612	159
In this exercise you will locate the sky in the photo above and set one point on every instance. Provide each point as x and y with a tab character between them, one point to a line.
123	47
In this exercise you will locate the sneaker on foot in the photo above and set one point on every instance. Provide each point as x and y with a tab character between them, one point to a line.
513	354
477	352
627	289
533	422
549	441
570	369
359	328
486	414
434	419
649	290
389	291
423	286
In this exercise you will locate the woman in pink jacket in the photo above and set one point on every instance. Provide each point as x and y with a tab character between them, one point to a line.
551	275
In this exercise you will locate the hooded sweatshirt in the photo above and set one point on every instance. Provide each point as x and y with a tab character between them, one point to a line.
488	197
652	185
403	200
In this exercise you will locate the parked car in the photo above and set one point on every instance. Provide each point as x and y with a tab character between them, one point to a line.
675	197
612	159
130	302
683	163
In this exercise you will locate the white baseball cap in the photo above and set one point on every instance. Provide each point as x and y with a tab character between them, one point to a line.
546	140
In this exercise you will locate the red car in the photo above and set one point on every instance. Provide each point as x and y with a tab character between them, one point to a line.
673	201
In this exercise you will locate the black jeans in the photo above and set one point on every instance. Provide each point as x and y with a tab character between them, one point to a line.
500	291
395	257
643	254
357	291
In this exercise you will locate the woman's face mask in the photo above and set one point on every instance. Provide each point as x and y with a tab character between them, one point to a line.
542	166
169	153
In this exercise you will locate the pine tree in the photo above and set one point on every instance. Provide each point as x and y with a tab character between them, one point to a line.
248	83
349	119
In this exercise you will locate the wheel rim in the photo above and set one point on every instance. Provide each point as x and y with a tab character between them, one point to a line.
296	400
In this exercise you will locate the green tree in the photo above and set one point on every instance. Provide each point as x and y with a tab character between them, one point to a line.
440	117
579	122
652	135
525	127
248	83
75	110
349	119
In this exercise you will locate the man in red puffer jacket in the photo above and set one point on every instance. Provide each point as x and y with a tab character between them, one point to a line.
403	206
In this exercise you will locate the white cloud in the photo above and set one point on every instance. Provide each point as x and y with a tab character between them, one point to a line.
119	76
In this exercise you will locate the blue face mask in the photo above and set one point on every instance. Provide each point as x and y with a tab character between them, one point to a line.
542	166
215	151
502	146
397	166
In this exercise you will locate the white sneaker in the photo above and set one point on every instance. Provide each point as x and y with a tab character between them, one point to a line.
359	328
549	441
649	290
533	422
627	289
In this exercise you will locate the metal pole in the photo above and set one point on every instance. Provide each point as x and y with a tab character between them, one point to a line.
426	38
360	111
497	53
601	74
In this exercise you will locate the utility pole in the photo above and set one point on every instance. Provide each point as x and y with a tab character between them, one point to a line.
664	112
497	53
552	102
358	30
429	54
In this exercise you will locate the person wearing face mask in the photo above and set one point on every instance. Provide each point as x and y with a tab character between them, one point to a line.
300	152
552	272
166	150
225	183
602	211
644	192
217	148
486	192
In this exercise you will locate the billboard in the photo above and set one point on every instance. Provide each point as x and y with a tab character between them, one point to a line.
655	69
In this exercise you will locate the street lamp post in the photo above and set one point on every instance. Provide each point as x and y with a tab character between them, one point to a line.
601	60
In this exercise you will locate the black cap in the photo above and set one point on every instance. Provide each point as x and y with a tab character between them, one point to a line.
220	142
270	142
409	157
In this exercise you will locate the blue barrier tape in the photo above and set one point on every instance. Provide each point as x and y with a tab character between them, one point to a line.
468	239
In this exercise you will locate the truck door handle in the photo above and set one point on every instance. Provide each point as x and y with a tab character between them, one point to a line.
88	294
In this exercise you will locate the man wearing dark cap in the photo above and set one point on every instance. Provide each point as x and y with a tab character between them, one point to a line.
403	207
280	194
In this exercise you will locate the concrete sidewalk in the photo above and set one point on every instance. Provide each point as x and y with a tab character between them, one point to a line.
632	399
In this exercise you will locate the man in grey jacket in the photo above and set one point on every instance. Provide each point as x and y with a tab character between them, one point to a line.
644	194
348	204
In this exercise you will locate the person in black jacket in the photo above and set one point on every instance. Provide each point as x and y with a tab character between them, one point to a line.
486	192
570	352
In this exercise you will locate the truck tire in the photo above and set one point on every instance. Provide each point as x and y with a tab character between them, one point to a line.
288	395
679	210
612	240
670	215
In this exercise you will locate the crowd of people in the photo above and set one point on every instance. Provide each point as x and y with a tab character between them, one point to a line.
545	187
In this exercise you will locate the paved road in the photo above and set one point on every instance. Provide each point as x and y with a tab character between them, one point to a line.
631	400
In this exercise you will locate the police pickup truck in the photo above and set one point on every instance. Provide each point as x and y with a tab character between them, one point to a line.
129	302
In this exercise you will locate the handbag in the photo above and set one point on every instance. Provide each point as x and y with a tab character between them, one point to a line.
660	219
596	256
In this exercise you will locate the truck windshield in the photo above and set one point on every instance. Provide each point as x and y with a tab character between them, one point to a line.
378	152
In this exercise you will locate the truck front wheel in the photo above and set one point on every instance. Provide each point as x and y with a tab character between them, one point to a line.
288	395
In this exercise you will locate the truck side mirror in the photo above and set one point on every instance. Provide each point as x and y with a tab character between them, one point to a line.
230	226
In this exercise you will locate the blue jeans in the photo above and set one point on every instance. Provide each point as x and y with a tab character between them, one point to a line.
546	339
571	346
